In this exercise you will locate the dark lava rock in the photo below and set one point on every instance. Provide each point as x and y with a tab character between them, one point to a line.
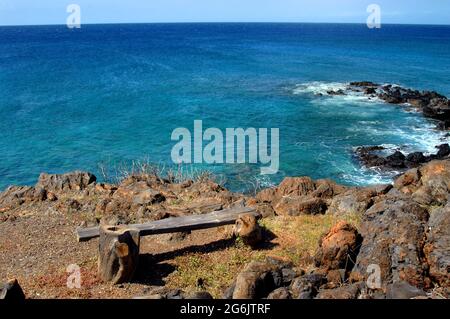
394	232
280	293
396	160
307	286
443	150
416	158
344	292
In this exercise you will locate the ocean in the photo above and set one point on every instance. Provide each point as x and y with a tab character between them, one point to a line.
107	95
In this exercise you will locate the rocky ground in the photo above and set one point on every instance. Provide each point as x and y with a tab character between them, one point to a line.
319	239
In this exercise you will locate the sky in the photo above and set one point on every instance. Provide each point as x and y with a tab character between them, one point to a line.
26	12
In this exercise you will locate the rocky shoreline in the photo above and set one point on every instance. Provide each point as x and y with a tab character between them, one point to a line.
429	103
403	233
385	241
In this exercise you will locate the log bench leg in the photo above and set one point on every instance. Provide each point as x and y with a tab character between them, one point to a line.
118	253
248	229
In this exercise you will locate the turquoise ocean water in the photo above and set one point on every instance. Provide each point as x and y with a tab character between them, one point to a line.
73	98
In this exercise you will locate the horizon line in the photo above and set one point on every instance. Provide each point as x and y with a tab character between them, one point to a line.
220	22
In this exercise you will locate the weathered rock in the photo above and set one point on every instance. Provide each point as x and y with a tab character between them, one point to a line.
298	205
198	295
74	181
131	195
280	293
437	247
266	195
336	277
415	158
327	189
356	200
345	292
338	249
295	186
443	150
15	196
255	281
248	229
307	286
429	184
396	160
11	291
403	290
393	232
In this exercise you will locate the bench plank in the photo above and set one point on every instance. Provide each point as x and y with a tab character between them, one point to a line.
177	224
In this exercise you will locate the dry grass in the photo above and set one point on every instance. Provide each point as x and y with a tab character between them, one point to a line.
216	270
297	237
296	240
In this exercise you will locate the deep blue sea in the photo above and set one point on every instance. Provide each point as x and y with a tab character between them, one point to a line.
74	98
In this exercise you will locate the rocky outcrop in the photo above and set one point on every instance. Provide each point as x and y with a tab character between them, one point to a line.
15	196
339	247
307	286
256	281
437	247
370	156
427	185
74	181
261	280
356	200
394	233
430	103
300	195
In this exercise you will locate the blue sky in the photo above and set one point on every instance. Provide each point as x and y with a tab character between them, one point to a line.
19	12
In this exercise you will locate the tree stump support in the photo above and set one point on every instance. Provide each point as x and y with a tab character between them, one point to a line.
118	253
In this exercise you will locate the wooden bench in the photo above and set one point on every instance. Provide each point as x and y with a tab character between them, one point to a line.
119	245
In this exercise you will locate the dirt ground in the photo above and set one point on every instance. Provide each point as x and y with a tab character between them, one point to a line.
37	247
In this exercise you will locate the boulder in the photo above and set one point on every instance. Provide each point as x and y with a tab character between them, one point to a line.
443	150
280	293
295	186
307	286
393	232
345	292
403	290
299	205
339	247
356	200
415	159
396	160
428	184
256	281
